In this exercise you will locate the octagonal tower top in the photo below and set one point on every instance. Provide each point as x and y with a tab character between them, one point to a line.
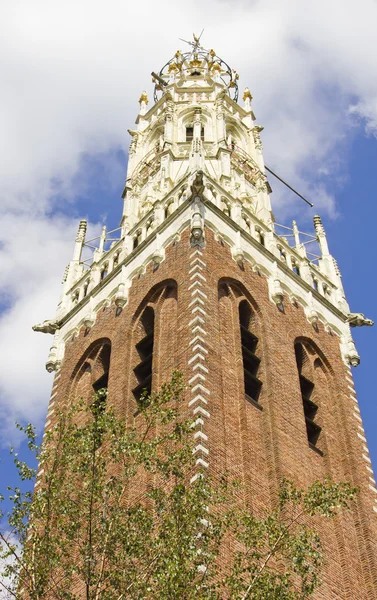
198	64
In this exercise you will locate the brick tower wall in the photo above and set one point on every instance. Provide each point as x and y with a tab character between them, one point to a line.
195	295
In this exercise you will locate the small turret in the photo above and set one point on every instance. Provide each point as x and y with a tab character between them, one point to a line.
321	235
80	240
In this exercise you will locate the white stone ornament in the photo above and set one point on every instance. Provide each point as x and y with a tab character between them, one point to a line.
353	356
311	312
358	320
90	318
48	326
52	363
276	290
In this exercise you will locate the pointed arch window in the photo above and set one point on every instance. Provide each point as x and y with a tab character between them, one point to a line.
137	239
143	370
116	259
169	209
260	236
104	360
190	133
307	387
100	385
251	362
86	287
295	267
104	271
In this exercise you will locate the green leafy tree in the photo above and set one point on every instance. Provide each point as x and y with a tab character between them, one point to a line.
120	511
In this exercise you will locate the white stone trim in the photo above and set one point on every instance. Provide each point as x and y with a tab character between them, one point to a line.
199	309
195	357
197	376
201	435
199	347
196	320
196	339
198	328
200	366
202	411
197	251
194	284
199	292
197	398
200	448
199	386
198	276
196	301
198	260
195	267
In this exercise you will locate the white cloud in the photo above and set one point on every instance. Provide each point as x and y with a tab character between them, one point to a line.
32	259
71	75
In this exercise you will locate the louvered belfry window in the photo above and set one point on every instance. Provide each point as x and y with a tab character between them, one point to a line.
251	362
313	430
143	370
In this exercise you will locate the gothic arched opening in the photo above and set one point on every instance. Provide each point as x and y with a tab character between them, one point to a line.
311	372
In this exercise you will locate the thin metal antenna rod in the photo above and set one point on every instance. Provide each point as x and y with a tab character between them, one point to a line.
288	186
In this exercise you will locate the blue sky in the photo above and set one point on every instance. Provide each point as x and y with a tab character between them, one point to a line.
70	90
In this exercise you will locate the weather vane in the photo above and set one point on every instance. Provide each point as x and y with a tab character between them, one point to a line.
196	43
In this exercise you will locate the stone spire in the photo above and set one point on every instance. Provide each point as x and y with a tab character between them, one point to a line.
194	124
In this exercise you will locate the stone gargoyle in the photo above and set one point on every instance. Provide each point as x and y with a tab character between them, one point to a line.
47	326
358	320
197	187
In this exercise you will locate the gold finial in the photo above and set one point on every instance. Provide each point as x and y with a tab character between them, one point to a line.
247	95
143	98
212	52
195	62
173	67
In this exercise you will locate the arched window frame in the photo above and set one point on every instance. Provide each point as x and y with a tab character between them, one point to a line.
104	271
295	267
250	361
137	239
248	339
86	287
144	347
95	362
143	341
308	360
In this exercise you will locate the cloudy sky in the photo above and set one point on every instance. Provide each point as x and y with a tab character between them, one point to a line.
71	74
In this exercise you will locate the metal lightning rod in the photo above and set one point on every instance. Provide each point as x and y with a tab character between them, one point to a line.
288	186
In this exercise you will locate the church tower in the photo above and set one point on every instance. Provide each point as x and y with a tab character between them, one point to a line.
200	278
